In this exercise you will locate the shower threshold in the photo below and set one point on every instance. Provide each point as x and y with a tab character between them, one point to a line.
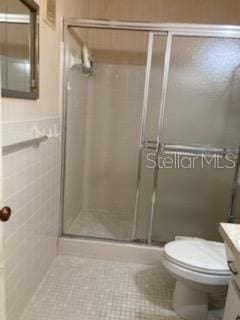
109	249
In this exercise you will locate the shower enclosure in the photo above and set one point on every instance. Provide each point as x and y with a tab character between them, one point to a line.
151	130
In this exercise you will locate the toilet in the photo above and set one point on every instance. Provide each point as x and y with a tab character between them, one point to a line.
200	269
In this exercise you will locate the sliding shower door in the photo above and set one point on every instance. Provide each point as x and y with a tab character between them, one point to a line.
199	110
152	122
105	80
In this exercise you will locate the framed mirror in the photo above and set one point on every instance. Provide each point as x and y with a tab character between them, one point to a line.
19	45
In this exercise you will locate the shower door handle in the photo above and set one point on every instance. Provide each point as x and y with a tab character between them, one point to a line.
150	144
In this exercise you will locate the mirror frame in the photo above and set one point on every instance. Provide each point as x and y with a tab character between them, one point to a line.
34	56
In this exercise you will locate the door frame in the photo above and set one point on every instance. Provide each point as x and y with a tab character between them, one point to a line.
2	279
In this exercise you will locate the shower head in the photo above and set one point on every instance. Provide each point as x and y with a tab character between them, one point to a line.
87	63
83	62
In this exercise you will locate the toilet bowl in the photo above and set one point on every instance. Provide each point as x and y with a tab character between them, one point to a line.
200	269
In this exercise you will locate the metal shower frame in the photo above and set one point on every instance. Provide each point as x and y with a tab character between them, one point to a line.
154	29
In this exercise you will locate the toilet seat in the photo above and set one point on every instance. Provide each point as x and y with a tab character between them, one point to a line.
202	256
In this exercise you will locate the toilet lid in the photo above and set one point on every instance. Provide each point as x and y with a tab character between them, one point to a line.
198	255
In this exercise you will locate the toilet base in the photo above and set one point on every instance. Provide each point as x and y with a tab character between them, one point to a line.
189	303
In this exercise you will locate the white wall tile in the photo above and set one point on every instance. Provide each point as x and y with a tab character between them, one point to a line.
31	178
30	236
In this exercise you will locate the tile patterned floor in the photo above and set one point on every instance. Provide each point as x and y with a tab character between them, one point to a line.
103	224
87	289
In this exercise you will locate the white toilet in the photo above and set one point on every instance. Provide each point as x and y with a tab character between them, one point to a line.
200	268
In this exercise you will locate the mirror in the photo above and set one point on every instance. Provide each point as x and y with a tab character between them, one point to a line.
19	48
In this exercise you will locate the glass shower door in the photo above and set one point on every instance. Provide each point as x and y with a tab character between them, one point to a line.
184	101
201	111
103	124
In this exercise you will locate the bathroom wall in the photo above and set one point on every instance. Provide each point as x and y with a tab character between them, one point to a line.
187	11
75	8
31	178
31	189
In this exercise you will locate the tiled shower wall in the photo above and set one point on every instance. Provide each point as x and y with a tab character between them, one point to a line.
31	177
103	127
113	121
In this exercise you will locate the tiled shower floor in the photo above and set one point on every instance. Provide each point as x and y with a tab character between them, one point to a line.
87	289
103	224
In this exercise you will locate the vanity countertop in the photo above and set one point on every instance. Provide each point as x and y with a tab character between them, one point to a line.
230	233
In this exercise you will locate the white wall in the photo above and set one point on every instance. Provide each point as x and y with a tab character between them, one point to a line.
31	178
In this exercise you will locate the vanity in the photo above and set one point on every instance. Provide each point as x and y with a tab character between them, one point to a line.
231	236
